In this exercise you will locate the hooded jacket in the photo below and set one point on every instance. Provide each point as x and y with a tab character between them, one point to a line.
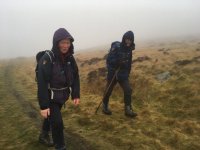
120	56
62	73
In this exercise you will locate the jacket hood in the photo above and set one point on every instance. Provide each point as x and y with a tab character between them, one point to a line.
59	35
128	35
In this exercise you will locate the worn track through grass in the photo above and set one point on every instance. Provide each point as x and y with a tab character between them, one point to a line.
73	140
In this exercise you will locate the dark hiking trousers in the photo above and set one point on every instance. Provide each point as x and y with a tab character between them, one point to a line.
55	122
125	85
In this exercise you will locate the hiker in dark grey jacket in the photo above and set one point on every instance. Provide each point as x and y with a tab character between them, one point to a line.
58	78
120	59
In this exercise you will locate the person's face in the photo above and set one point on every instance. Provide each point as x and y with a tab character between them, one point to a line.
64	45
128	42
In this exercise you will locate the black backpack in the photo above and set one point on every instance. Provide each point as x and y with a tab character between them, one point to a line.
115	46
39	56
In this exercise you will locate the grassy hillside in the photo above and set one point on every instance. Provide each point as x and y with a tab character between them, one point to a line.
169	110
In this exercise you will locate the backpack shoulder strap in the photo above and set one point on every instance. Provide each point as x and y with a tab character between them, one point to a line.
51	55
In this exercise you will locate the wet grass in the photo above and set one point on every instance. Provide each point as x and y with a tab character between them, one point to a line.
168	111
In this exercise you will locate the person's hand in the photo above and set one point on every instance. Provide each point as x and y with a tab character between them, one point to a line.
122	60
45	113
76	101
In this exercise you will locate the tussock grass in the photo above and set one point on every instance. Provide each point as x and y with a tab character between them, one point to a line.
168	111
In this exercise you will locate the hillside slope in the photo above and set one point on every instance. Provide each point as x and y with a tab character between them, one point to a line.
166	95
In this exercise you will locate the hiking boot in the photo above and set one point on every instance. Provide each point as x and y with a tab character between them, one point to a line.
129	112
46	139
106	110
62	148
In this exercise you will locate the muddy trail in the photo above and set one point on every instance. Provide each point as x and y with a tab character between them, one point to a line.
73	140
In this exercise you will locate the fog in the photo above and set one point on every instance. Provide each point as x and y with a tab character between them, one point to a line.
27	26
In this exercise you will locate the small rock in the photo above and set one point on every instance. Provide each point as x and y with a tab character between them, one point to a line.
163	76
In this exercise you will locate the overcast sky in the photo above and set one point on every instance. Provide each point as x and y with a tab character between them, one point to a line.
27	26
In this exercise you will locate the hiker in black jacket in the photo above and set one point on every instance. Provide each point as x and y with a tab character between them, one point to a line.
58	78
119	59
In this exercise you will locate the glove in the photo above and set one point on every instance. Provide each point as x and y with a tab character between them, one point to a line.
122	61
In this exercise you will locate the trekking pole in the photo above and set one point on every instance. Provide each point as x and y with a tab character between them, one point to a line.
107	89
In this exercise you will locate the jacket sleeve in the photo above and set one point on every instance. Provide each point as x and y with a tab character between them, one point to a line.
130	63
131	58
44	69
75	87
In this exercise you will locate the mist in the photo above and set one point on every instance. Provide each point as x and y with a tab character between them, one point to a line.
27	27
